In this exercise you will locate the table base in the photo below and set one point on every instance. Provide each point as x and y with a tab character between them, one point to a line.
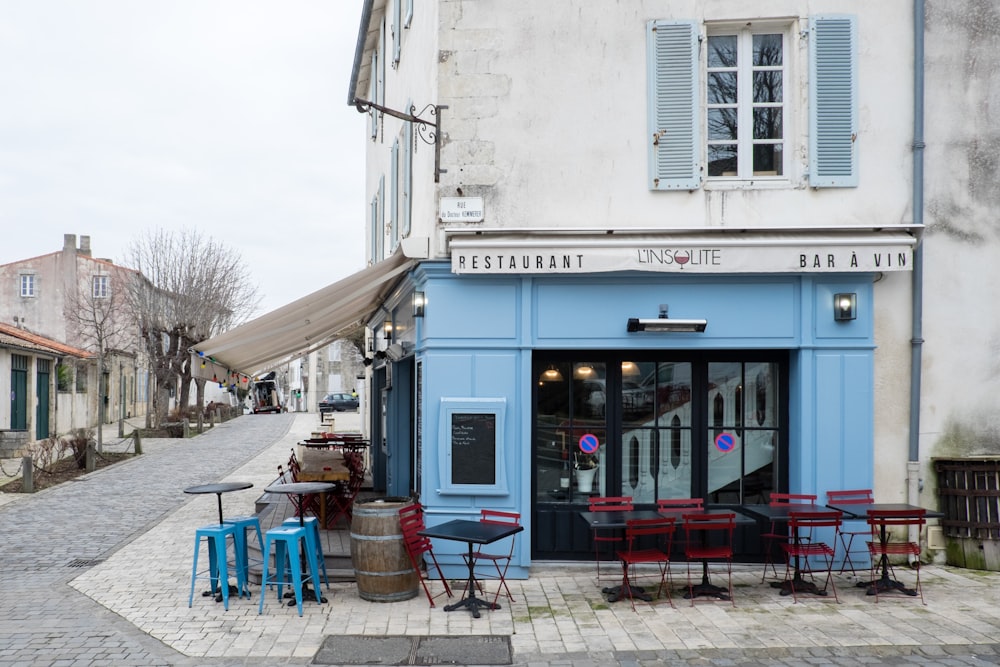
234	591
706	589
800	585
473	604
307	594
626	591
884	585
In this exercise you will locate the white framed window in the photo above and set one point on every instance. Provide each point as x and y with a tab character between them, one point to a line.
102	288
395	193
745	112
27	285
738	91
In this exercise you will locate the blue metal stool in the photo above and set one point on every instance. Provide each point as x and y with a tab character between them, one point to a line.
242	523
311	524
218	570
288	542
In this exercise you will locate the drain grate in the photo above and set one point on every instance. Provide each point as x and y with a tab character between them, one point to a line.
405	650
84	562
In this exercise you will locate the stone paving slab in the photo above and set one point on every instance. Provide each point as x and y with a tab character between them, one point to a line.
130	607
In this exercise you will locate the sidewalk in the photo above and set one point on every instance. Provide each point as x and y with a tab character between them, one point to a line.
559	617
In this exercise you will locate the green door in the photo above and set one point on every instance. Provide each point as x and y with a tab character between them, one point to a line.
18	392
43	393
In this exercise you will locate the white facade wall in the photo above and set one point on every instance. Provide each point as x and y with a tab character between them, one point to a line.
547	121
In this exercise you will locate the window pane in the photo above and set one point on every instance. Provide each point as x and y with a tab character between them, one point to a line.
767	160
767	123
766	50
722	51
722	160
722	124
722	88
767	86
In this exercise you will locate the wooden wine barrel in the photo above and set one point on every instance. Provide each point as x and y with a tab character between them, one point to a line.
381	567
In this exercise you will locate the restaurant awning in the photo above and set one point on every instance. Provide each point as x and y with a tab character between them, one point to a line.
300	327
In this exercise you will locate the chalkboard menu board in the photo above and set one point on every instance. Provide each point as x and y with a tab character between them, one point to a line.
472	459
473	448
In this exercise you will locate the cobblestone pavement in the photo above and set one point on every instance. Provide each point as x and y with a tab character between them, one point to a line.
97	572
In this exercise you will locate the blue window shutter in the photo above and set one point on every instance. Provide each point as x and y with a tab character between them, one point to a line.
833	101
672	52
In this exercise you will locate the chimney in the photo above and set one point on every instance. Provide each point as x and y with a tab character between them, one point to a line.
69	242
85	245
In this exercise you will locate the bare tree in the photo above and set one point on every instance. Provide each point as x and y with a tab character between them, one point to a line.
192	287
97	316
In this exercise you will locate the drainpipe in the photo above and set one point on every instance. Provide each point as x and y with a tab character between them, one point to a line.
917	341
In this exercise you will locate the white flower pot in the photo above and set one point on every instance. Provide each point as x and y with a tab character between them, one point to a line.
585	480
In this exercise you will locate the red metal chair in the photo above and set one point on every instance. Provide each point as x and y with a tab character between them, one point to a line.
778	533
505	519
678	507
850	497
411	520
608	535
660	531
699	531
805	544
882	546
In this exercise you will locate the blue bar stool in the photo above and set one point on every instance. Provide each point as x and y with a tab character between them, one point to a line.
311	524
218	570
243	523
288	542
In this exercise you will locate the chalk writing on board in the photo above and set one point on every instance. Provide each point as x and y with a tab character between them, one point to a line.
473	448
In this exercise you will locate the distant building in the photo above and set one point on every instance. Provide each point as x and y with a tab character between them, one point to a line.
47	383
71	296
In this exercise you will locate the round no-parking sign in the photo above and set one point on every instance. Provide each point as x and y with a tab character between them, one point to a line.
725	442
589	443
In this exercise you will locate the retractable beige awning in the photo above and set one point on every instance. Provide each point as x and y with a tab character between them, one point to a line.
301	326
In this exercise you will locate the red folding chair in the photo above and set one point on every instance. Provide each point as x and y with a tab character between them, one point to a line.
882	546
608	535
709	536
661	532
778	533
850	497
805	544
411	520
503	558
678	507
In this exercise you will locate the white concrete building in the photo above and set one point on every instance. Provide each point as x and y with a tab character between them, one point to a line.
732	247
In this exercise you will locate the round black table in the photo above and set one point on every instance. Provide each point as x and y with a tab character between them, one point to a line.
301	489
218	488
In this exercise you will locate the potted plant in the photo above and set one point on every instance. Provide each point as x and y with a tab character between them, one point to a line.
586	467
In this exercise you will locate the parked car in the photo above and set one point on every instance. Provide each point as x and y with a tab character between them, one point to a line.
338	402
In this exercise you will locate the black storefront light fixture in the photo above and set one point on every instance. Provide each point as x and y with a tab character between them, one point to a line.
419	302
845	306
663	323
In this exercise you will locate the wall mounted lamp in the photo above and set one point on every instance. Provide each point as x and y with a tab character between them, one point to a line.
419	301
665	324
845	306
387	330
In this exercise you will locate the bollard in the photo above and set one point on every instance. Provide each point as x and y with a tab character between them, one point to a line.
186	425
138	442
201	422
27	475
121	427
91	462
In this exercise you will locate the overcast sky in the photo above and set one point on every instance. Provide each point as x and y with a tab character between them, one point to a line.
229	116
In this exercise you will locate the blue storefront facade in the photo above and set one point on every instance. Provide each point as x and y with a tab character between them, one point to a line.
772	366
